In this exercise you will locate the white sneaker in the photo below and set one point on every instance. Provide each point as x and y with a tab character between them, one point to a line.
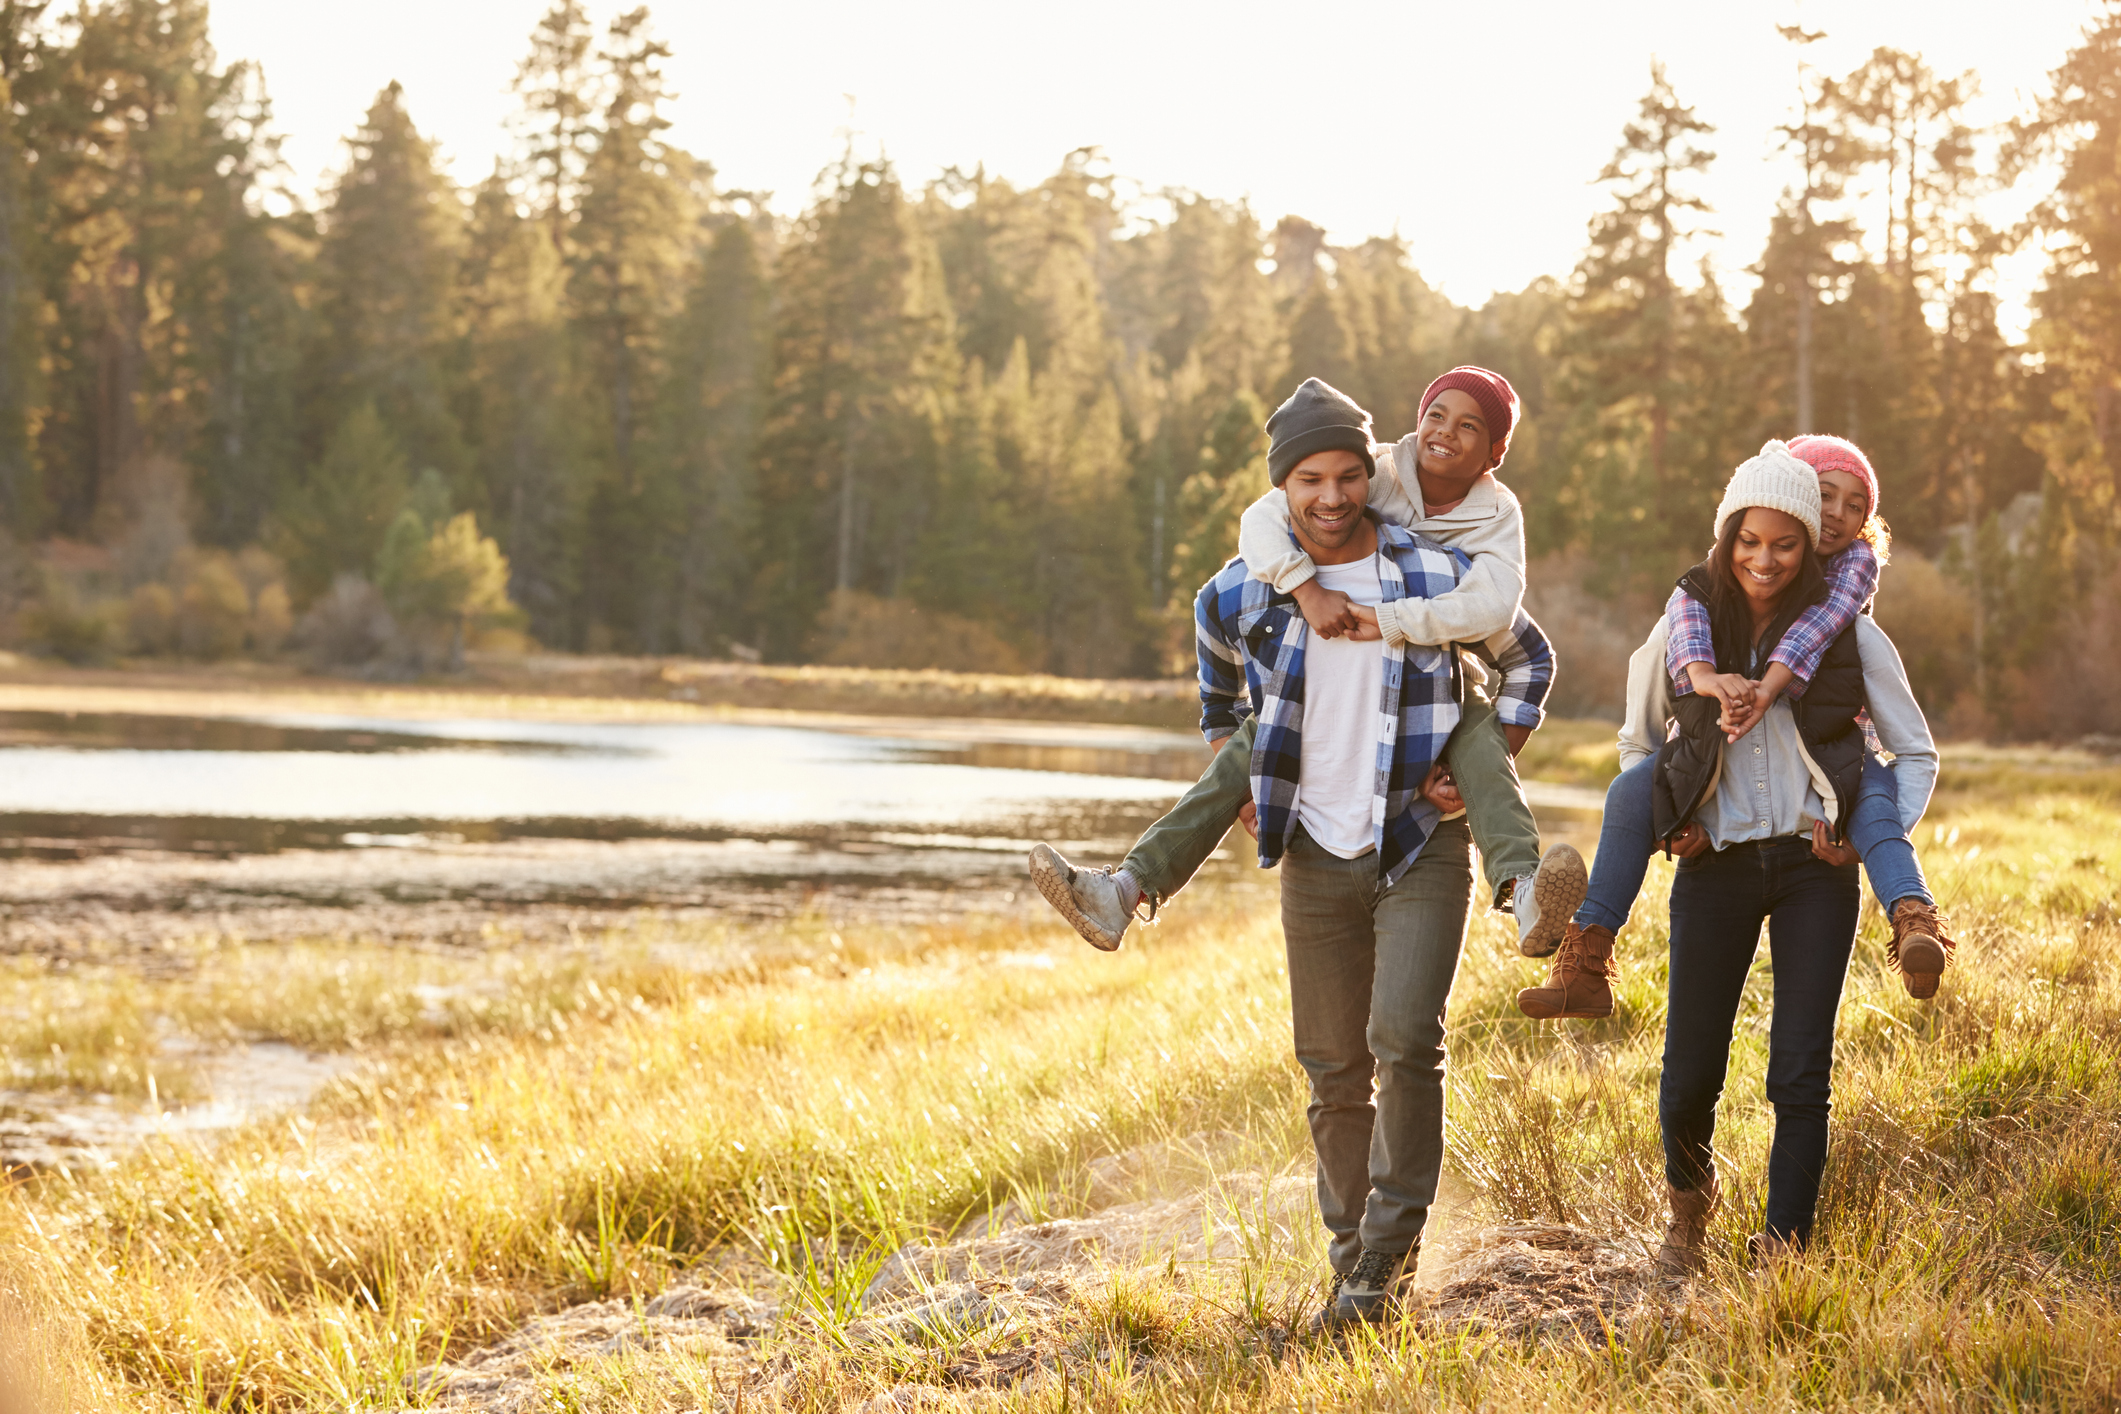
1545	902
1088	898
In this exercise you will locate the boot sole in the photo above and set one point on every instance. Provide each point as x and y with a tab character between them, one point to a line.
1921	967
1559	888
1578	1014
1056	881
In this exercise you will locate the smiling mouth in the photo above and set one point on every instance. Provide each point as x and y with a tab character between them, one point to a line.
1332	519
1759	578
1438	449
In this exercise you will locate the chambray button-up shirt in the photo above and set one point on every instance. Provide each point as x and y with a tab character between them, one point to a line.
1766	788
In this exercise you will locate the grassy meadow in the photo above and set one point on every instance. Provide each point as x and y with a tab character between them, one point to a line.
530	1130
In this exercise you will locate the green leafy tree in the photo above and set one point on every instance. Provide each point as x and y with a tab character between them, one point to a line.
333	521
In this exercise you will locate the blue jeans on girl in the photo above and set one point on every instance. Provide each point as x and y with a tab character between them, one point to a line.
1627	838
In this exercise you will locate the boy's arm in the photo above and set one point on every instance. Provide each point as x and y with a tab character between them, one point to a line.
1686	640
1526	661
1851	580
1222	669
1264	543
1486	600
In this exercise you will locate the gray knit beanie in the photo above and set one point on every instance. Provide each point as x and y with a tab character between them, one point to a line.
1777	480
1318	417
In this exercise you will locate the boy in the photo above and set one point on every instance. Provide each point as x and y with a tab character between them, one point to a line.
1439	482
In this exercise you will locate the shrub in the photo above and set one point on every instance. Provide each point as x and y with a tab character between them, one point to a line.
151	619
862	631
213	608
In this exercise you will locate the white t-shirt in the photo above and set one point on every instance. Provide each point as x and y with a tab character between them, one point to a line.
1343	692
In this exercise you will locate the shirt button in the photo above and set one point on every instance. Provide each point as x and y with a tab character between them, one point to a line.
1756	751
1760	785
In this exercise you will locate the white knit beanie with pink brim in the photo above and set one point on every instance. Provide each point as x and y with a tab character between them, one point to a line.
1777	480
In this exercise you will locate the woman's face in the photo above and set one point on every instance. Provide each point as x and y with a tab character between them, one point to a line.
1844	506
1767	554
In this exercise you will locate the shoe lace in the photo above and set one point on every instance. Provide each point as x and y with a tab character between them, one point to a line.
1376	1268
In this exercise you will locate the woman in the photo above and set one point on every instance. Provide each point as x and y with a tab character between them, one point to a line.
1759	825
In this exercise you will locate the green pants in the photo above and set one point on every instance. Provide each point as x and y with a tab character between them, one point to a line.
1172	850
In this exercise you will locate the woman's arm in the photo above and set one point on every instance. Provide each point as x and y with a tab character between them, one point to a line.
1902	729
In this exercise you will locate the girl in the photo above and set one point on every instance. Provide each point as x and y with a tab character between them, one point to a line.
1854	543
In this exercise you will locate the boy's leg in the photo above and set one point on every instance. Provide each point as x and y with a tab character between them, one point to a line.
1172	850
1098	902
1921	946
1543	892
1486	776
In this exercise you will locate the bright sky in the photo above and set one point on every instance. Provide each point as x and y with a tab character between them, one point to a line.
1473	129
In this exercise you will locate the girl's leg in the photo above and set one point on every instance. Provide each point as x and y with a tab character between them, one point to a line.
1624	843
1811	930
1881	842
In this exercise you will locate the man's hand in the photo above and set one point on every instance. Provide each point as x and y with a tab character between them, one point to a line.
1441	791
1516	737
1367	629
1329	612
1824	846
1689	842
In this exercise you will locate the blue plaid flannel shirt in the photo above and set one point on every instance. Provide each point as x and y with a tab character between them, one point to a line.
1251	643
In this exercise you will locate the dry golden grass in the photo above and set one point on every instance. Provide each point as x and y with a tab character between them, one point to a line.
798	1126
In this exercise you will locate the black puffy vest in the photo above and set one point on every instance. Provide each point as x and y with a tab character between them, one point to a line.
1689	763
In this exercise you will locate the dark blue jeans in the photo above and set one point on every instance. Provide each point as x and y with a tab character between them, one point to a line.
1718	902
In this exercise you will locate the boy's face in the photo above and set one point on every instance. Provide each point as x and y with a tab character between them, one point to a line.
1327	492
1844	507
1454	437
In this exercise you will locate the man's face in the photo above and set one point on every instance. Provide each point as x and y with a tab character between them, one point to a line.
1454	437
1327	492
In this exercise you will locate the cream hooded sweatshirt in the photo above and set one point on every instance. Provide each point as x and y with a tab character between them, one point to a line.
1488	526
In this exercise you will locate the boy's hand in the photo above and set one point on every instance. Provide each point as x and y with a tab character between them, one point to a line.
1366	628
1329	612
1441	791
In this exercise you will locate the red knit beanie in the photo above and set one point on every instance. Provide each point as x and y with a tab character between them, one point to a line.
1497	399
1824	454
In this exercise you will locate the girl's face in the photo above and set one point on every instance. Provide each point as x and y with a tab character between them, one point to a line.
1767	554
1844	507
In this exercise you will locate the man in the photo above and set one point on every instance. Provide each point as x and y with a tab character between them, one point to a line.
1349	803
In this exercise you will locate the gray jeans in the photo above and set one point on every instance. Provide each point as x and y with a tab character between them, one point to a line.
1370	970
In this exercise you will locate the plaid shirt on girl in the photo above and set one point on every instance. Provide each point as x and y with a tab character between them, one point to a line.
1851	580
1251	642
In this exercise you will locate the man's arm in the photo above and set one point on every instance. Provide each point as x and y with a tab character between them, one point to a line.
1222	668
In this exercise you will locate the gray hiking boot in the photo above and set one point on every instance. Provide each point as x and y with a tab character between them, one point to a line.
1374	1290
1545	902
1090	899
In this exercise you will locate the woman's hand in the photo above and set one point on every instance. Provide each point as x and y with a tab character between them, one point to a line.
1824	846
1441	791
1689	842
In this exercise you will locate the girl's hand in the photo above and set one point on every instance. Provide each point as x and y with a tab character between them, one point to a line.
1823	845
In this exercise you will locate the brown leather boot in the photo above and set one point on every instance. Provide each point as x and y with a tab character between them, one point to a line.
1686	1236
1921	948
1580	984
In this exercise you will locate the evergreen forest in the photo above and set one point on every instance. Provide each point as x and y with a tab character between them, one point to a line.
600	402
